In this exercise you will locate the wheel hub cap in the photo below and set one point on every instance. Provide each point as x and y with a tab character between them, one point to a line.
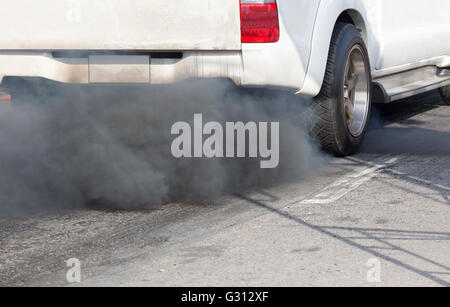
356	92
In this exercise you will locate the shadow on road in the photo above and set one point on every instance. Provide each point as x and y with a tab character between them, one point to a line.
394	130
404	110
382	237
408	140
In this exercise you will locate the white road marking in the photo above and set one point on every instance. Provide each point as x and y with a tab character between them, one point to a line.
347	184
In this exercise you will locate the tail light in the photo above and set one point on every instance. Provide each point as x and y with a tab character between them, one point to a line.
259	21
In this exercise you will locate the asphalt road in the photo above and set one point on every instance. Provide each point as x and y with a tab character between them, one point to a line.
388	205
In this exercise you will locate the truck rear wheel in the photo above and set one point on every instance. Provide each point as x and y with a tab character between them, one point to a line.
445	93
340	113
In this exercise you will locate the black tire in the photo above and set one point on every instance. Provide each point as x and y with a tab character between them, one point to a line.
328	122
445	94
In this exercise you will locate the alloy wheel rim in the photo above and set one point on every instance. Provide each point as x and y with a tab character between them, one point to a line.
356	92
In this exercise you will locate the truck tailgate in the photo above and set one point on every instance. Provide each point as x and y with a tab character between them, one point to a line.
120	25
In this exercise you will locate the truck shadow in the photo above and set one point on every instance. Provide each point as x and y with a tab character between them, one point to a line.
397	128
410	140
380	242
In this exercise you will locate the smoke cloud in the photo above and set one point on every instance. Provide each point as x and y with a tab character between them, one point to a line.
71	146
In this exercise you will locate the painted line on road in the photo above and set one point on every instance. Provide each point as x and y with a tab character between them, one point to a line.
345	185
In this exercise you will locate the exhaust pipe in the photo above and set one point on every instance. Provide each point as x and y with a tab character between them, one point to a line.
5	100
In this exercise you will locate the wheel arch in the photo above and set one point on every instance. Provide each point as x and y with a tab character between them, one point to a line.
329	14
354	17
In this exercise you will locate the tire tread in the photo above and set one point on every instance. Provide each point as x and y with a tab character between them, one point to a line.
323	121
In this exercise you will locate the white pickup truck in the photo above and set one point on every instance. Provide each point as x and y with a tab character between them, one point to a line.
345	53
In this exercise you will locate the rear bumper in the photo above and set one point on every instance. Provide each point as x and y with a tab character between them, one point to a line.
226	64
279	65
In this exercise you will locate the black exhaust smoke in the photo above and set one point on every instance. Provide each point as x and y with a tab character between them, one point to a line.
68	146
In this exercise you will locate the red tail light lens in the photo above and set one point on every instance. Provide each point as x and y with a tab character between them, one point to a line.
259	21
